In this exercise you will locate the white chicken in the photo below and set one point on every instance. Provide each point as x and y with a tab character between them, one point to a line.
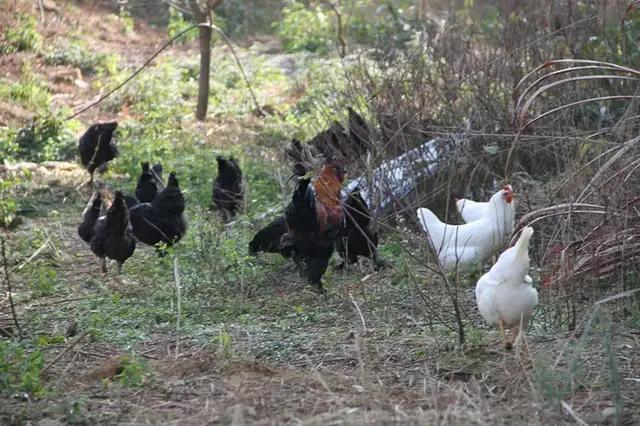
459	247
473	210
504	294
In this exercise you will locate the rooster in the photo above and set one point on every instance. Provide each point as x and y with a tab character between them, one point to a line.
148	182
314	218
504	294
227	187
162	219
359	236
97	147
90	215
113	238
459	247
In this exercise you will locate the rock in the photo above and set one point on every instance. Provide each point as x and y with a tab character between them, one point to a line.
81	84
48	422
50	6
239	414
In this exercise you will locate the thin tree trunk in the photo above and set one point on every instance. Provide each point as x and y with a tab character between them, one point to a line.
205	65
202	14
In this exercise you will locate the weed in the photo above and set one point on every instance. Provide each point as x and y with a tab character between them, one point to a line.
8	201
127	20
134	372
20	369
22	36
225	344
557	381
78	55
42	280
177	24
44	138
303	28
28	92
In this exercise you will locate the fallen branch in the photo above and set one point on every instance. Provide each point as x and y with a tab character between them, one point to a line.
176	278
71	346
567	408
8	280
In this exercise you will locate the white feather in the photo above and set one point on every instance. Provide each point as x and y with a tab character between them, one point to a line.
461	246
505	292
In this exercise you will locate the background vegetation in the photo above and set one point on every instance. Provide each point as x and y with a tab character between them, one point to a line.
243	337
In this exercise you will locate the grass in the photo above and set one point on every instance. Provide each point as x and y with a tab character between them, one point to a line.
254	343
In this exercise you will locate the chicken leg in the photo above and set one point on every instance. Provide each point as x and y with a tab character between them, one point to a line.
507	343
515	333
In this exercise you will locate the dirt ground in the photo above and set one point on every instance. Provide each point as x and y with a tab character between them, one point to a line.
365	356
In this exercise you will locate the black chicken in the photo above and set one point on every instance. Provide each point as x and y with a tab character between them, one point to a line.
148	182
359	236
113	238
90	215
131	201
314	218
227	187
97	147
162	219
268	238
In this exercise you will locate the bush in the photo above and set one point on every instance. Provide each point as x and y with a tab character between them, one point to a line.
28	92
20	370
8	201
23	36
45	138
78	56
177	24
304	29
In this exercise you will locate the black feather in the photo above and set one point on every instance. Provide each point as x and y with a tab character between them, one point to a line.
228	192
161	220
268	238
147	187
89	217
97	146
359	236
113	238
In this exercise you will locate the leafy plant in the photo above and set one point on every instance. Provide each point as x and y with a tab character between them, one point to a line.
28	92
77	55
8	201
127	20
302	28
177	24
42	280
557	381
22	36
20	369
134	372
46	137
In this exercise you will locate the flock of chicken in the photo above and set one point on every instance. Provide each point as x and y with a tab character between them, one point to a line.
153	216
504	294
316	221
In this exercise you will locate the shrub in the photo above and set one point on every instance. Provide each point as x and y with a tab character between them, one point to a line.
45	138
78	56
20	370
8	201
302	28
177	24
28	92
23	36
